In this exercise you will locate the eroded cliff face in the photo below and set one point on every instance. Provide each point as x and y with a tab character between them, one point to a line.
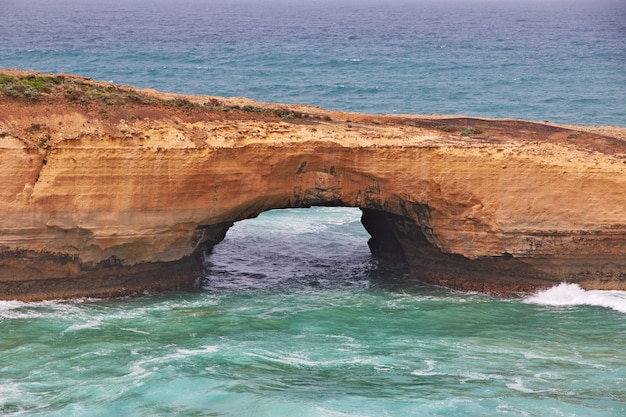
108	190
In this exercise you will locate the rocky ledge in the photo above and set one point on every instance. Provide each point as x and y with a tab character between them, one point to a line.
110	190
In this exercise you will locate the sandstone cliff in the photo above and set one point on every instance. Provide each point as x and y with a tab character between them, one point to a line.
109	190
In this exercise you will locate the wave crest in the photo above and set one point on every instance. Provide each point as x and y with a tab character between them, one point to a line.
566	294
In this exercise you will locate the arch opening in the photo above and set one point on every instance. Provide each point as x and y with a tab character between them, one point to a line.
300	249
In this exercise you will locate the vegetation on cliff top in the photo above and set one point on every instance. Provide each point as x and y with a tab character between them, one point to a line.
33	87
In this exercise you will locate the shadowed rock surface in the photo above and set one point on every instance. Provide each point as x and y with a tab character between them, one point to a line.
109	190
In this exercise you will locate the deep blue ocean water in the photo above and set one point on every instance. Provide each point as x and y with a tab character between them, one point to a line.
294	317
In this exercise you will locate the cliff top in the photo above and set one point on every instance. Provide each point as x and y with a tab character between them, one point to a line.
40	110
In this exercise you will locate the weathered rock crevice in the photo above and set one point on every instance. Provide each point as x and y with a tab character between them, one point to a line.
383	228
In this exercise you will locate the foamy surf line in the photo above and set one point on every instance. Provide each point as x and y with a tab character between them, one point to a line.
566	294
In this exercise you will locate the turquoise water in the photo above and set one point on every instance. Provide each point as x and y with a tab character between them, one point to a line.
293	316
282	327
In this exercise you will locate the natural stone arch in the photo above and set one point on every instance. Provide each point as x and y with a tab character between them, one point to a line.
154	220
98	206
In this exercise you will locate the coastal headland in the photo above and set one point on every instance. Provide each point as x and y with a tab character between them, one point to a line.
110	190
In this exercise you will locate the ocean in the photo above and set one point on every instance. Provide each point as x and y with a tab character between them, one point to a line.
293	317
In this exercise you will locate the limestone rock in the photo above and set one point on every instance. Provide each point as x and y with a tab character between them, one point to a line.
110	190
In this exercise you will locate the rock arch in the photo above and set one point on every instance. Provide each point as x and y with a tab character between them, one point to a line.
102	200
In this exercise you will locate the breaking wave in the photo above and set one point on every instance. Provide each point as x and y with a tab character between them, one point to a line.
566	294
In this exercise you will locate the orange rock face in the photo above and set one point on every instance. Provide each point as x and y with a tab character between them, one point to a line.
108	190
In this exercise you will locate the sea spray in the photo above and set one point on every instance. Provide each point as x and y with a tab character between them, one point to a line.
566	294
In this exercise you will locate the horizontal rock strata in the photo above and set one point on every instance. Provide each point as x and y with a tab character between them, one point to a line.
109	190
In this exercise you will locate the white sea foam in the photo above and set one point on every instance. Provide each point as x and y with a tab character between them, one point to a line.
303	361
478	376
334	413
191	352
518	385
9	390
22	310
10	305
137	371
293	360
430	365
180	353
91	324
130	329
566	294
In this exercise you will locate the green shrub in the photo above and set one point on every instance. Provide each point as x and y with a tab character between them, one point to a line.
469	131
253	109
284	114
445	128
7	79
